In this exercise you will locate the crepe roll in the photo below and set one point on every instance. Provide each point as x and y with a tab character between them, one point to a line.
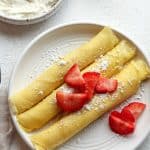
52	78
129	80
107	65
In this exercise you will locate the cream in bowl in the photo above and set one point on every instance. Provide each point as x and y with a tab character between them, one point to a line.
22	10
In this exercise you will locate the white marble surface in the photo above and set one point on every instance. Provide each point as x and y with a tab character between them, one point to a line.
131	17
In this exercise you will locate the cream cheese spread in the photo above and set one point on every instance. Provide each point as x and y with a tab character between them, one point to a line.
25	9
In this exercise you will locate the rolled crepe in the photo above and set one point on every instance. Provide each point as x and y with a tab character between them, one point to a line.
52	78
108	65
129	80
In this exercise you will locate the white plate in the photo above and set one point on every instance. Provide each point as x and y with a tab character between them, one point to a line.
41	52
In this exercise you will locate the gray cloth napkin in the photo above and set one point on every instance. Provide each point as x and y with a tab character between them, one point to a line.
6	128
9	139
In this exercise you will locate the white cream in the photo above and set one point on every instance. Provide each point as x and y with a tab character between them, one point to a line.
25	9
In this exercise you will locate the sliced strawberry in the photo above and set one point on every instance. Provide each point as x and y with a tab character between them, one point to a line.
119	125
127	115
106	85
70	102
74	78
136	108
91	79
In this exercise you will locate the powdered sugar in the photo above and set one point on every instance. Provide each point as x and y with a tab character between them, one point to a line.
140	93
101	106
66	89
104	64
62	63
87	107
137	97
41	93
97	103
101	65
54	55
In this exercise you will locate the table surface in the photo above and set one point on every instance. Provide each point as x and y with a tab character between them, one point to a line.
129	17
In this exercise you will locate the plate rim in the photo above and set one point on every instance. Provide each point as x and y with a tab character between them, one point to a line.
40	36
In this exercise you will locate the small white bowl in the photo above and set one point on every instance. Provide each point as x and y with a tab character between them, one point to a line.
26	21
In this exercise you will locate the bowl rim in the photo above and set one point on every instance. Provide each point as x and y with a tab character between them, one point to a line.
41	35
25	21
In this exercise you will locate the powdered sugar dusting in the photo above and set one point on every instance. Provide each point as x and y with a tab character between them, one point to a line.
103	65
140	93
137	97
97	103
41	93
101	106
66	89
99	100
62	63
88	107
53	55
50	57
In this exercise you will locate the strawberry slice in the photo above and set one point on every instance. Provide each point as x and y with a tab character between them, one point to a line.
70	102
91	79
105	85
127	115
136	108
119	125
74	78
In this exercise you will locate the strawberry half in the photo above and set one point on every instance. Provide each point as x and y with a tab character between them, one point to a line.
136	108
127	115
120	125
91	79
105	85
70	102
74	78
